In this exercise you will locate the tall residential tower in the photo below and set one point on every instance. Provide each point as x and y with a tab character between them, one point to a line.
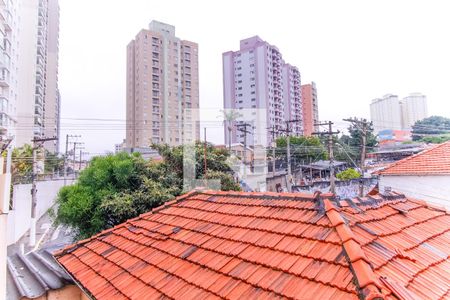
310	108
256	77
390	113
38	99
162	85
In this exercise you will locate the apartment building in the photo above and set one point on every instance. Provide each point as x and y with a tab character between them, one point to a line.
52	98
392	113
414	108
256	78
162	88
310	109
38	99
385	113
8	67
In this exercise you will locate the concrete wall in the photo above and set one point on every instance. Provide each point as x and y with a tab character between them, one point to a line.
433	189
19	217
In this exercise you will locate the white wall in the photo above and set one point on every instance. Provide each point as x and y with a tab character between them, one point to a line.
433	189
19	217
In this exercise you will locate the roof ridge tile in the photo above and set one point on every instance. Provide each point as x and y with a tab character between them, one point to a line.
357	259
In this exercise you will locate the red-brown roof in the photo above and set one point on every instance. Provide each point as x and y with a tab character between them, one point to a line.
214	244
434	161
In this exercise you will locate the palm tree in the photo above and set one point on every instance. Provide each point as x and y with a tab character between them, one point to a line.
229	116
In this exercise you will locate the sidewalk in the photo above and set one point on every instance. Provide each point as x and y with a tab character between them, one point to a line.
45	234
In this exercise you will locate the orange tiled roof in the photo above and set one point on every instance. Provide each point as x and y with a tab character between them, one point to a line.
233	245
434	161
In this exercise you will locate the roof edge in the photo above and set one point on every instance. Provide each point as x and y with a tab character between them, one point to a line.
380	172
103	232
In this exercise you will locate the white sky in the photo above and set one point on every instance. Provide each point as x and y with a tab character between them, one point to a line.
355	51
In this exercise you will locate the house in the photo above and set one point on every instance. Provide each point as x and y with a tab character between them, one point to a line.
37	275
239	245
425	175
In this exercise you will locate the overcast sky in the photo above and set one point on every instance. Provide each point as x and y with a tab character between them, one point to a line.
355	51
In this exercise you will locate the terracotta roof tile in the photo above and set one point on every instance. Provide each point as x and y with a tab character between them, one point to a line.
433	161
213	245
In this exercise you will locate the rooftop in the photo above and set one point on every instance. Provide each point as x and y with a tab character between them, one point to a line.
263	245
433	161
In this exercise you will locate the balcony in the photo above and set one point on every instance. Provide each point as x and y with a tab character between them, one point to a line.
4	79
38	100
5	16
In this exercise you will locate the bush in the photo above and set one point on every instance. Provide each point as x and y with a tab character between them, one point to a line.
348	174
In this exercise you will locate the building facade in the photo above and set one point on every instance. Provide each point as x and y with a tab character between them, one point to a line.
162	88
310	109
414	108
38	98
391	113
9	31
385	113
52	98
256	78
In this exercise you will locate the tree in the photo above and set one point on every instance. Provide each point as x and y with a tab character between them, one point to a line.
229	116
83	205
348	174
349	146
434	129
22	163
118	187
303	148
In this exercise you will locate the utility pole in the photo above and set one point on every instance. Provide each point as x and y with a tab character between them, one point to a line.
363	126
68	136
243	128
37	144
273	144
204	156
329	133
81	153
75	152
288	152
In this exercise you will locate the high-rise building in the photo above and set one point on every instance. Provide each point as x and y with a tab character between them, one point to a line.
52	100
162	87
390	113
310	108
413	108
256	77
9	30
38	95
385	113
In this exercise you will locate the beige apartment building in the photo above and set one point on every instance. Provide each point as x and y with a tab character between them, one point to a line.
162	88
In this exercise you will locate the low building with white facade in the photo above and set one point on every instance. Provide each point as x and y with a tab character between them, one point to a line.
425	175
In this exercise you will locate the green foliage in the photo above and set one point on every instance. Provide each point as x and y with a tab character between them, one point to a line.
349	148
216	159
303	148
22	163
81	205
435	139
434	129
348	174
226	180
118	187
